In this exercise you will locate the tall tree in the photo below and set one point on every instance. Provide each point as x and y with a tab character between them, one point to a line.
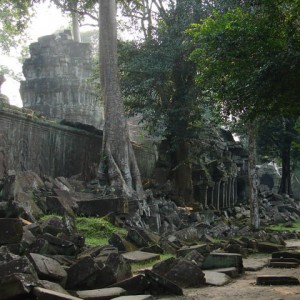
118	163
276	137
72	7
238	49
158	80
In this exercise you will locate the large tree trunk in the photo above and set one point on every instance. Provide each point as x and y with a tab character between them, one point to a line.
183	174
75	27
118	164
253	194
286	184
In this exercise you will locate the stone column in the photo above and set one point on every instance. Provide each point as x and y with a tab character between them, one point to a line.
222	195
210	197
229	199
217	195
225	194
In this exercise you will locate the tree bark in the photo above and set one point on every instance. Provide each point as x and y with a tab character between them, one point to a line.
253	193
183	174
286	184
75	27
118	164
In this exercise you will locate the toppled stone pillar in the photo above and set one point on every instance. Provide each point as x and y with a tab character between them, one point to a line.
57	81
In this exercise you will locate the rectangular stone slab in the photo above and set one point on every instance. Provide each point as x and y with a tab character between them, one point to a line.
286	254
47	268
231	272
223	260
45	294
101	294
137	297
134	286
267	247
140	256
282	264
100	206
216	278
276	280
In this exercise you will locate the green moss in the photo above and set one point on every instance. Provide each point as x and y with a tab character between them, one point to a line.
283	227
96	231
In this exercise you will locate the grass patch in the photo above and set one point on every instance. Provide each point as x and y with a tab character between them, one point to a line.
284	227
96	231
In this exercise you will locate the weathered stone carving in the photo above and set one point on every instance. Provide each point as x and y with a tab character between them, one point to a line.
57	81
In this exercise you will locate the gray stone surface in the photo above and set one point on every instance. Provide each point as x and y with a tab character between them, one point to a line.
286	254
11	231
57	85
135	285
139	256
276	280
267	247
160	285
46	294
16	286
185	274
255	264
101	294
29	142
19	265
49	285
223	260
46	147
216	278
86	274
202	249
137	297
47	268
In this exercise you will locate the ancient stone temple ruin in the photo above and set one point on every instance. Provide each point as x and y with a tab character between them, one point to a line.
57	85
220	172
57	80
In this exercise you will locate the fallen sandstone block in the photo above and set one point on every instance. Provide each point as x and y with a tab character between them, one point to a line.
101	294
11	231
276	280
45	294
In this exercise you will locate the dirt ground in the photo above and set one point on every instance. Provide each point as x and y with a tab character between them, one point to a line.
244	288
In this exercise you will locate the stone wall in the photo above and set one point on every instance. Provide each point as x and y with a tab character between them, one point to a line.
45	147
57	81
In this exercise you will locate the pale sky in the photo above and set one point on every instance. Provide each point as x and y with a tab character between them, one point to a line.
47	20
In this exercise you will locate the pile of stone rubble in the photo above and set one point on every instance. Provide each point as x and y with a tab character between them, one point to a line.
49	258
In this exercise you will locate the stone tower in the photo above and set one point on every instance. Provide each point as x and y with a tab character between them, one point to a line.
57	84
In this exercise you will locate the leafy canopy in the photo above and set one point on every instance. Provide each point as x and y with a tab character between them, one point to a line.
14	18
158	78
248	58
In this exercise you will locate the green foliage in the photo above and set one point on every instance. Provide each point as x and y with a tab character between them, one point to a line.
158	79
97	230
248	58
14	18
285	227
276	135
